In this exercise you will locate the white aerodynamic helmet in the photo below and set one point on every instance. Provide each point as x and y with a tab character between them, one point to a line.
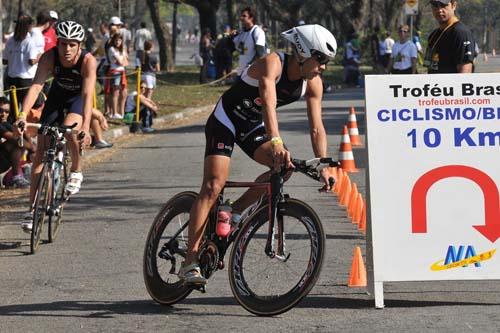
310	39
70	30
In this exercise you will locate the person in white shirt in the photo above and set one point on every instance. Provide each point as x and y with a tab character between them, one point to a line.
404	54
43	22
21	57
141	35
388	44
127	36
251	42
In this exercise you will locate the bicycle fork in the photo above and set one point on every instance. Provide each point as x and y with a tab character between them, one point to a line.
276	225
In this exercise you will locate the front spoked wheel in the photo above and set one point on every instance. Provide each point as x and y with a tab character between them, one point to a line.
267	285
40	209
166	248
58	199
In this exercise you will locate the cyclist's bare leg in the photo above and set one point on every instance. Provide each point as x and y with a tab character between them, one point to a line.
215	173
36	168
73	143
262	155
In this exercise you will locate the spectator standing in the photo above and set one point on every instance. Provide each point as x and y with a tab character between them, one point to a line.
90	41
21	57
43	22
451	46
404	54
127	36
50	33
388	44
375	51
149	65
352	60
118	59
206	53
10	152
224	53
141	35
251	42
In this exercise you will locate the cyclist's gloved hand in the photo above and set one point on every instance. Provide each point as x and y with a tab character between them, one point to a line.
327	174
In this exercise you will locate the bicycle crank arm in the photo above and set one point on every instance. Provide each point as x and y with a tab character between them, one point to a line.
283	258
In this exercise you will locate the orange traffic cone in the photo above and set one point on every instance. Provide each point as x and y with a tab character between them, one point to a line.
362	222
357	278
346	156
340	178
352	201
358	211
346	191
352	125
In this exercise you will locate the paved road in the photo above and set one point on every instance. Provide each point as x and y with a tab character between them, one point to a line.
90	280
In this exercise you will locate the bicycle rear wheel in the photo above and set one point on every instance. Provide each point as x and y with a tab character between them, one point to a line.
166	247
40	208
58	199
269	286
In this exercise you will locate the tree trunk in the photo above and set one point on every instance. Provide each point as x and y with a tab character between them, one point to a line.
207	10
20	8
230	13
159	31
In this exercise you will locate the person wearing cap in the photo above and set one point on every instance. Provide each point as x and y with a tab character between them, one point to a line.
246	114
450	47
50	33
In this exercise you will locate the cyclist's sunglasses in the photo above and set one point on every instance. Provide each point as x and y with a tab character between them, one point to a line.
321	57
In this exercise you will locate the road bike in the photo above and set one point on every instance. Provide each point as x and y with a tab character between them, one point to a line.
50	196
277	249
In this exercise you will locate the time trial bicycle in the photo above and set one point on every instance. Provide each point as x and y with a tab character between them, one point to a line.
277	251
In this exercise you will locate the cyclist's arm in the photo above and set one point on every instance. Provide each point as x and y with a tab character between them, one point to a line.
314	96
43	71
89	78
267	70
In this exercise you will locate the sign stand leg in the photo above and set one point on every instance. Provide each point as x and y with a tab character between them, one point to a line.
379	295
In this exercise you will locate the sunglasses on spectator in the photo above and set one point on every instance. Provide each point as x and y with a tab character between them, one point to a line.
4	110
437	4
405	31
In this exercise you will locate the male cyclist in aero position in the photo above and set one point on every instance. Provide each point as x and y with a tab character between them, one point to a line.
74	73
246	114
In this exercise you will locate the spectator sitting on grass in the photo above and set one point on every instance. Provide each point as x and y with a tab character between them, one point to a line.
147	110
10	153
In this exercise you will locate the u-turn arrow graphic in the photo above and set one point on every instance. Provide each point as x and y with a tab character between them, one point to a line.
491	228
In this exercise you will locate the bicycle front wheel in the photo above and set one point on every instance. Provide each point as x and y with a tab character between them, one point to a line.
40	208
266	285
166	248
58	198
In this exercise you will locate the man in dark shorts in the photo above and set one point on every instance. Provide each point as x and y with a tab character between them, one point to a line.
246	115
74	73
451	46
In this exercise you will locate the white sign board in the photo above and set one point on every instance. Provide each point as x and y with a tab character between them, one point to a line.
434	175
411	7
